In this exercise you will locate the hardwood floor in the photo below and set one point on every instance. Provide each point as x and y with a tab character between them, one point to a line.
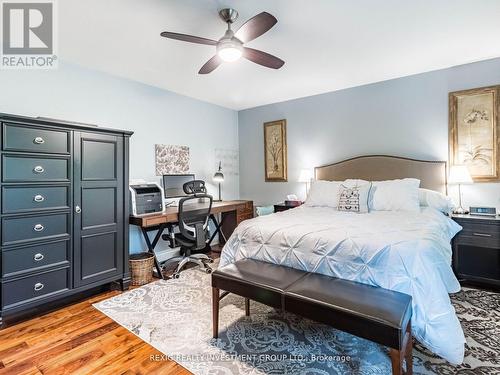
78	339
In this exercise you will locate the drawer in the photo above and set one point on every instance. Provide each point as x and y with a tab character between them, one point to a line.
491	231
32	288
30	228
32	139
478	241
18	169
32	198
249	206
25	259
246	208
244	217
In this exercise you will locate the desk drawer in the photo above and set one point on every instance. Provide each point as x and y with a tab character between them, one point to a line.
33	198
25	229
25	259
19	169
242	217
32	288
245	209
32	139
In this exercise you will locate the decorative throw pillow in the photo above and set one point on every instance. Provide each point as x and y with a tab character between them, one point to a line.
354	198
323	194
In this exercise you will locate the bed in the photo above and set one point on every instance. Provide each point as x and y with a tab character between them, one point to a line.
410	253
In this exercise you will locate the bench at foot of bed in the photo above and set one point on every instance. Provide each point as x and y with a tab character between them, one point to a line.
379	315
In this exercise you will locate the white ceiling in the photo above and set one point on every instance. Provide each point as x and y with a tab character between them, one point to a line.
327	44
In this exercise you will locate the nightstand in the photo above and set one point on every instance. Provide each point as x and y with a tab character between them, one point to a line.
476	250
284	206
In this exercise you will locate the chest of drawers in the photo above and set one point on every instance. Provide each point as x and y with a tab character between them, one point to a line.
63	207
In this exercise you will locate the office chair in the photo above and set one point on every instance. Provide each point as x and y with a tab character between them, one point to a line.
193	227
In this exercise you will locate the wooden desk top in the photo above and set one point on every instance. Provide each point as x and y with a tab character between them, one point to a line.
170	215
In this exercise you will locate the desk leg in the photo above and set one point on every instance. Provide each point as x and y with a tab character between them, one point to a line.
152	245
218	229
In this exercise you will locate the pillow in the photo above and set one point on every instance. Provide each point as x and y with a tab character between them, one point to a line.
395	195
323	193
264	210
434	199
355	181
354	197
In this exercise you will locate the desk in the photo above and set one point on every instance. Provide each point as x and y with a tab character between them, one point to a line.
232	213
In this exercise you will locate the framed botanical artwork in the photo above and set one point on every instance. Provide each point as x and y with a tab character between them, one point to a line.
275	154
474	130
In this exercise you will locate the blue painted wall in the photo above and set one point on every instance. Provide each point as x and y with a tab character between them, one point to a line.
406	117
155	115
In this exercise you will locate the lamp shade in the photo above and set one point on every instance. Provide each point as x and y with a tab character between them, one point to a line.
459	174
306	175
219	176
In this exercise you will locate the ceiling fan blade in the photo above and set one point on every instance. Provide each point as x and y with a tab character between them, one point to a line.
255	27
188	38
210	65
262	58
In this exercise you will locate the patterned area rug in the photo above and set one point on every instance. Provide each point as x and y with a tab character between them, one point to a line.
175	317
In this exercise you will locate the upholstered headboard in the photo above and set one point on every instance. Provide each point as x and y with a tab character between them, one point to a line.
432	174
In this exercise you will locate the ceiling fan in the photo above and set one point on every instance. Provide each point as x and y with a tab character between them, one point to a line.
230	47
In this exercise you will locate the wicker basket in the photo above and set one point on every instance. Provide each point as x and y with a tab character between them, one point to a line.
141	267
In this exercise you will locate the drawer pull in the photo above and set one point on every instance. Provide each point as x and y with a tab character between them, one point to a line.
38	257
481	234
38	169
39	140
38	228
38	287
38	198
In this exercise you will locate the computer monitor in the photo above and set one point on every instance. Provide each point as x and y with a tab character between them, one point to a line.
172	184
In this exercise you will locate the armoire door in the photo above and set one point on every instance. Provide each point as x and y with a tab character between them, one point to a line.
98	207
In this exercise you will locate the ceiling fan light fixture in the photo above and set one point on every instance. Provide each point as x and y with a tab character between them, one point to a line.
230	47
229	51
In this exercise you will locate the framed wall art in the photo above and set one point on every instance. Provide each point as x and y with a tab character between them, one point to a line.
275	152
171	159
474	131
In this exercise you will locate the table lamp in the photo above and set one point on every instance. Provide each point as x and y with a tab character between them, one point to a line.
219	177
459	175
306	175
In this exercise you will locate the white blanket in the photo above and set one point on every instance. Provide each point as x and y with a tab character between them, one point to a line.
406	252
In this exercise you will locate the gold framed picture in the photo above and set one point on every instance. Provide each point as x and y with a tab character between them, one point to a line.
275	153
474	128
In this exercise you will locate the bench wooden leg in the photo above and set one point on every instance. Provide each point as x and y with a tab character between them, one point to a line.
247	307
409	352
215	312
398	357
397	362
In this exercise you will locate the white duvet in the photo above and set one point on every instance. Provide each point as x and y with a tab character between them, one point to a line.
406	252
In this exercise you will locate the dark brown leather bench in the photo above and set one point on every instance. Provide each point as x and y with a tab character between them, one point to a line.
379	315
